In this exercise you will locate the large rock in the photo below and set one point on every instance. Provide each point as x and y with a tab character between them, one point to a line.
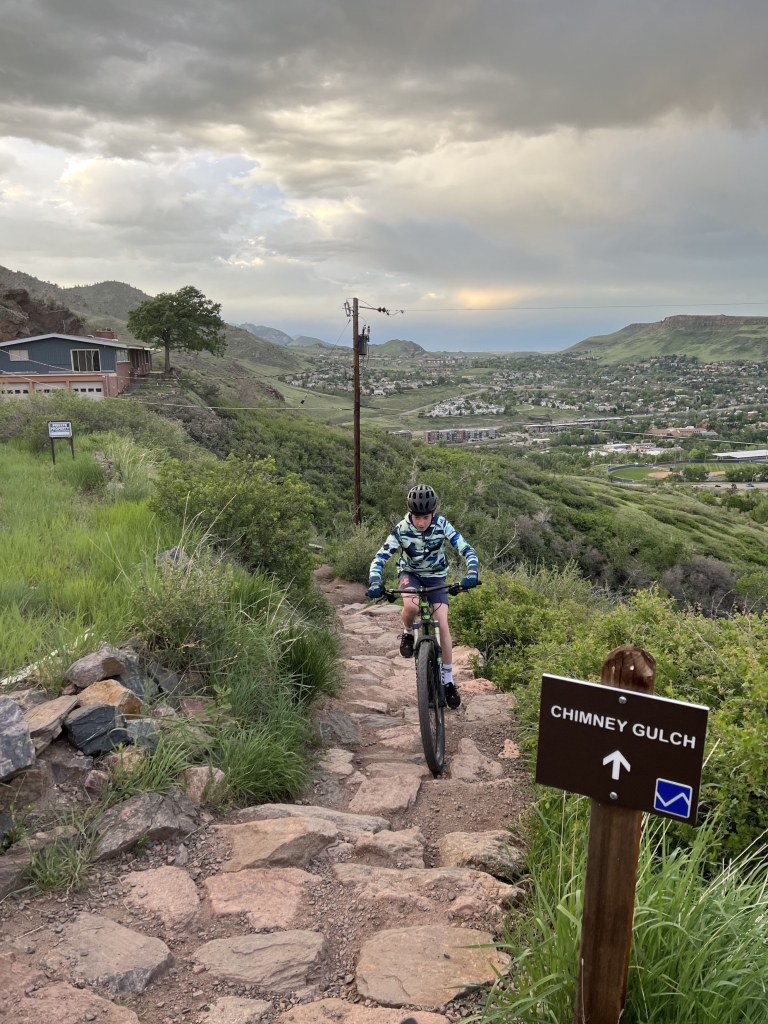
204	784
69	766
96	948
167	892
102	664
391	787
463	660
268	897
349	826
291	961
337	761
237	1010
97	728
51	1004
109	691
471	765
27	698
485	851
135	676
12	867
33	785
281	842
45	721
461	892
426	967
339	1011
482	707
344	727
402	849
154	815
17	750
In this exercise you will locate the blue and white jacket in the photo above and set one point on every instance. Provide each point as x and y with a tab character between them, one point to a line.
422	553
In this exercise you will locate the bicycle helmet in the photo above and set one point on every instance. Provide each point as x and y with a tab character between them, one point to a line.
422	500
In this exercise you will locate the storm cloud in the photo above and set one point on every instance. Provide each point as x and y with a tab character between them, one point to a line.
431	152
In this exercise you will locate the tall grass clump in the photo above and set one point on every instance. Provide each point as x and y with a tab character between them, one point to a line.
351	552
699	939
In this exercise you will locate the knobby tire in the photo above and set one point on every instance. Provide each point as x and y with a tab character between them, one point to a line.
431	716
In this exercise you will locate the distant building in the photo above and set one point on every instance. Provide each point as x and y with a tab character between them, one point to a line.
460	436
401	433
98	366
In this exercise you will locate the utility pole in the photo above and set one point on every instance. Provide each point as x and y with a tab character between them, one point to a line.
356	384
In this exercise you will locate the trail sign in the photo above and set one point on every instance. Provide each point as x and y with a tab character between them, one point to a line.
59	428
626	748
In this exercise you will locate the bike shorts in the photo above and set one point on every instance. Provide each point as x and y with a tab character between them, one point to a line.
410	580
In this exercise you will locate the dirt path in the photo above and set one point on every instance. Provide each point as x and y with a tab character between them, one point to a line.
372	894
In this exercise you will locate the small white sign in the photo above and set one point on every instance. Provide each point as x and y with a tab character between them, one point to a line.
59	428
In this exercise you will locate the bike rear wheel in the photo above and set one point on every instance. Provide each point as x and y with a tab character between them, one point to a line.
431	715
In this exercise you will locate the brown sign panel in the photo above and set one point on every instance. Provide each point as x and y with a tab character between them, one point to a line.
632	749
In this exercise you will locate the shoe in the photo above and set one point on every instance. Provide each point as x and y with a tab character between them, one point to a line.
406	645
452	696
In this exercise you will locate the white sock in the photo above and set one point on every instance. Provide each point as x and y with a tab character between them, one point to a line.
447	673
408	629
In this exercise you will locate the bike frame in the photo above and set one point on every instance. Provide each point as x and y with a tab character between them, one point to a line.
427	626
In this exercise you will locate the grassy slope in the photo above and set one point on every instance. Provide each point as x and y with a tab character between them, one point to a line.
708	338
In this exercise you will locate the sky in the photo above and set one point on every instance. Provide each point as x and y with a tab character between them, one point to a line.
458	159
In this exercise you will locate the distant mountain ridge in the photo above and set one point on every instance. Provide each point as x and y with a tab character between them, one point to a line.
277	337
709	338
398	347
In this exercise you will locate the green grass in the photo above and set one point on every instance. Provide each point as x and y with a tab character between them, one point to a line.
699	940
642	473
717	340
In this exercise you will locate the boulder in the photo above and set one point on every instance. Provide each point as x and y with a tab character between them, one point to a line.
471	765
17	750
167	892
45	721
427	966
109	691
154	815
165	678
143	732
290	961
483	707
348	826
69	766
28	699
12	867
281	842
267	897
95	781
102	664
204	784
344	727
340	1011
101	950
401	849
96	728
237	1010
135	676
391	787
486	851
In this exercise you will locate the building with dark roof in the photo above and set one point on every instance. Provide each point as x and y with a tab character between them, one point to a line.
97	366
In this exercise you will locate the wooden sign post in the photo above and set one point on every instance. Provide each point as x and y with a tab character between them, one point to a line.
609	891
630	751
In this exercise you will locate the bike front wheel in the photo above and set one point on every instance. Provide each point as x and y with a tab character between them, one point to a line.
431	715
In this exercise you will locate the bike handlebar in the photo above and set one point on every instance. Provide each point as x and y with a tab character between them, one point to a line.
452	588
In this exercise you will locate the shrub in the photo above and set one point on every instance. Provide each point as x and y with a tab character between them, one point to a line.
706	583
693	473
264	518
352	551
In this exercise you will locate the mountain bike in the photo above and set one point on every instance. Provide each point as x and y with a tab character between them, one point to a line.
430	689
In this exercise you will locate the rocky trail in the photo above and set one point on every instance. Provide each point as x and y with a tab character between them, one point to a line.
373	898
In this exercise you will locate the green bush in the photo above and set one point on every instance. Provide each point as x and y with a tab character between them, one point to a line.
351	552
263	518
699	942
693	473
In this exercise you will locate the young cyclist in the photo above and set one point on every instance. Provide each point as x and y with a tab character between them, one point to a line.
421	538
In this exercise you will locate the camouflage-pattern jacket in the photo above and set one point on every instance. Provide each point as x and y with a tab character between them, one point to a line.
422	553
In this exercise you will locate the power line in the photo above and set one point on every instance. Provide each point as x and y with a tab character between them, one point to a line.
618	305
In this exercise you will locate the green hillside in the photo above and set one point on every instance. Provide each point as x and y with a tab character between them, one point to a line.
398	347
709	338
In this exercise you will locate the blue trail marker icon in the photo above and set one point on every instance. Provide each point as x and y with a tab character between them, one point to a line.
673	798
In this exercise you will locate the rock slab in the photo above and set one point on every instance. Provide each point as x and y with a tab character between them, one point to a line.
109	691
280	842
97	948
339	1011
349	826
17	750
268	897
97	728
44	721
401	849
391	787
12	867
168	892
102	664
492	852
69	767
290	961
426	967
344	727
155	815
471	765
236	1010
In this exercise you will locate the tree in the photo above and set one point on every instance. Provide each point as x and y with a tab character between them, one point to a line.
183	320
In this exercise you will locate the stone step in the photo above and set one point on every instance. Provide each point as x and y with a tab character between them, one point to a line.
281	962
266	897
339	1011
277	842
348	825
391	787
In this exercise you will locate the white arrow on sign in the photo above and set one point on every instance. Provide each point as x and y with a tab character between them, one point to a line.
619	762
